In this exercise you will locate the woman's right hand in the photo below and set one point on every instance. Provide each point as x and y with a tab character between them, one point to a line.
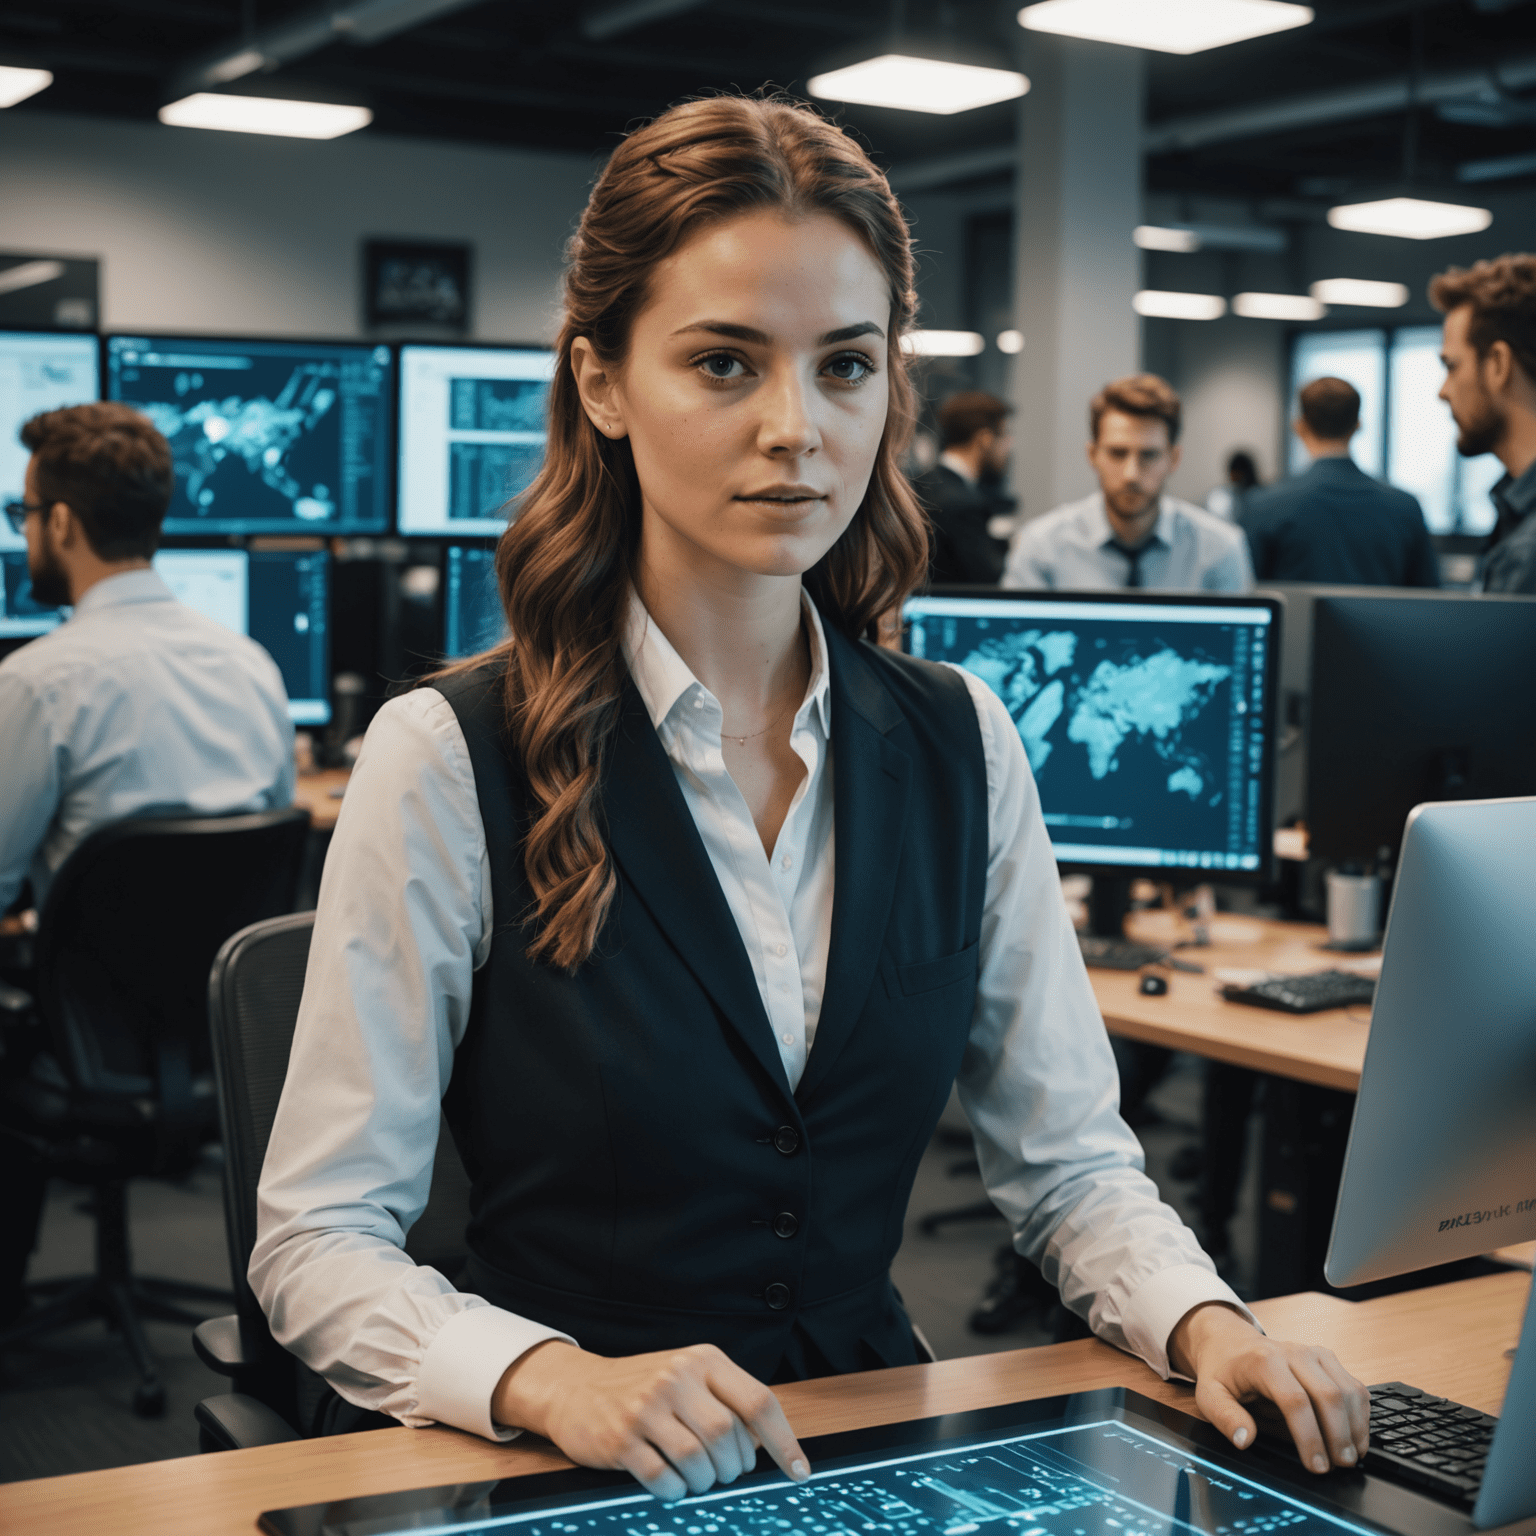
679	1421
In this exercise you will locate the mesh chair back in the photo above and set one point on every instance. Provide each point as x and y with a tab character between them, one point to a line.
253	1005
129	931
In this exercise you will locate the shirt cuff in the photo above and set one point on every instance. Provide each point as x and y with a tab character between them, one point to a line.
1160	1303
467	1357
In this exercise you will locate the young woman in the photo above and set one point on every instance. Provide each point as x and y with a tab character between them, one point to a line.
689	903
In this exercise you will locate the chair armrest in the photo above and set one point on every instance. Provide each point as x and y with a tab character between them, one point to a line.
234	1422
219	1346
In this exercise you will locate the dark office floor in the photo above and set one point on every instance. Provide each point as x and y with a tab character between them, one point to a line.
64	1403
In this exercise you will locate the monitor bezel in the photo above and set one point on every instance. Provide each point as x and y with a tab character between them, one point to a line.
391	392
448	535
1176	873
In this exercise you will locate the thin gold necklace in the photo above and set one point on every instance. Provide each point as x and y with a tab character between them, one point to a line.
741	741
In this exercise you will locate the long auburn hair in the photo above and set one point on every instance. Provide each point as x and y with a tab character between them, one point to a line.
563	564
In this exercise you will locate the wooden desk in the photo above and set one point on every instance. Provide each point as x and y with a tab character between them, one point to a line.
313	792
1450	1340
1325	1049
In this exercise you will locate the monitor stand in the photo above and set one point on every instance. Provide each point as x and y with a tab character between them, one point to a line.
1109	904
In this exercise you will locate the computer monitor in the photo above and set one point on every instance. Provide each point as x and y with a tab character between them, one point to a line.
277	597
39	371
268	436
1414	697
472	428
22	617
473	618
1441	1164
1148	718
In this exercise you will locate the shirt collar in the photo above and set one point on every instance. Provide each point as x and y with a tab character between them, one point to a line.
130	587
1515	497
957	466
664	679
1162	530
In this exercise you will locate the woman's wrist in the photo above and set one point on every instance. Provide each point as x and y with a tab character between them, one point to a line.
1196	1329
524	1397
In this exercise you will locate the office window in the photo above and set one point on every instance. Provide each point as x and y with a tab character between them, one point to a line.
1359	358
1406	433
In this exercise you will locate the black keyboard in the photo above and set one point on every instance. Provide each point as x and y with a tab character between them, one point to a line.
1119	954
1428	1442
1306	994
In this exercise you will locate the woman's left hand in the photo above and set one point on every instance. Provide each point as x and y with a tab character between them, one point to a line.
1326	1410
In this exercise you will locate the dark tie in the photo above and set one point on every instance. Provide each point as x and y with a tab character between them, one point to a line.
1132	559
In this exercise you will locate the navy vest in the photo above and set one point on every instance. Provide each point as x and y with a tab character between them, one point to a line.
642	1176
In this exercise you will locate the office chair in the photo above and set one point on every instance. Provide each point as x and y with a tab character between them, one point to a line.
253	1006
120	1082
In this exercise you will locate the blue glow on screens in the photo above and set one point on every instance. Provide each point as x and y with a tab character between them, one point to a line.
268	436
277	597
1145	724
473	618
1104	1479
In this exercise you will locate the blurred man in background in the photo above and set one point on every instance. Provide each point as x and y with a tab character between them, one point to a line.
962	492
1128	533
1333	522
1489	351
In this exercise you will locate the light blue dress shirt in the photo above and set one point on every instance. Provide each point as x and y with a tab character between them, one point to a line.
137	704
1073	549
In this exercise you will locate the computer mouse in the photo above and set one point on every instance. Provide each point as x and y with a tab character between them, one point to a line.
1154	986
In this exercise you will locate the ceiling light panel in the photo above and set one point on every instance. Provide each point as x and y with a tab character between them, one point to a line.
918	85
1156	304
1168	26
943	343
1154	237
1410	218
1278	306
17	84
265	114
1361	291
1010	343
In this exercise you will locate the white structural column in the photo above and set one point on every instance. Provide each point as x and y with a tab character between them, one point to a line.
1077	198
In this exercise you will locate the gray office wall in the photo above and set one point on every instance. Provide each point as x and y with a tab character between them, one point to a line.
206	231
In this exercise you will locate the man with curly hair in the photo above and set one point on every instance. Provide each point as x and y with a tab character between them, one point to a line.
1489	352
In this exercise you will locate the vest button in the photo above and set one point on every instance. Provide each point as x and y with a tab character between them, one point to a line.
777	1296
787	1140
786	1224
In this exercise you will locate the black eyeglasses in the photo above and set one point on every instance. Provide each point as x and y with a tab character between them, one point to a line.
16	513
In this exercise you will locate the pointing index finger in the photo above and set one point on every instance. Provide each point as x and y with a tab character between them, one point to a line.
757	1407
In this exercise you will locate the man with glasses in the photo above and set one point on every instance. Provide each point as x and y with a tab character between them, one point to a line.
137	703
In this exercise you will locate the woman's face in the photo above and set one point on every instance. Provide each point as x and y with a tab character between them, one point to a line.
754	394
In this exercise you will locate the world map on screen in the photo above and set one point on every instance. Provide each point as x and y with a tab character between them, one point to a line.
1152	698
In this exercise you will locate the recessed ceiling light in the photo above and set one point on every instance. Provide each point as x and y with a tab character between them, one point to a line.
1158	304
1361	291
1410	218
1153	237
265	114
1010	342
1278	306
942	343
918	85
17	84
1169	26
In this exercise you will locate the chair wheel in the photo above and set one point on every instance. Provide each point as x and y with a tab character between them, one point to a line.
149	1402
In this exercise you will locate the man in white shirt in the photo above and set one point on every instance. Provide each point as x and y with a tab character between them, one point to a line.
1128	533
136	704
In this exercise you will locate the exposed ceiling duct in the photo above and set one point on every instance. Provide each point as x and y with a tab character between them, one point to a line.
1312	111
361	21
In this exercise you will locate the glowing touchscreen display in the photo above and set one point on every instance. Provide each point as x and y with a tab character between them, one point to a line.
1104	1479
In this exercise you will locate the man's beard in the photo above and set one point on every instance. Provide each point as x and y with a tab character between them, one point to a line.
1482	433
50	586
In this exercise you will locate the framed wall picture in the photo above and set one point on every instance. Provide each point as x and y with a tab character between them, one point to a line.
417	287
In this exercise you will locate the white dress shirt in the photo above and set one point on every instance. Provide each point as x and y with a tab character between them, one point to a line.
405	920
137	704
1073	549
